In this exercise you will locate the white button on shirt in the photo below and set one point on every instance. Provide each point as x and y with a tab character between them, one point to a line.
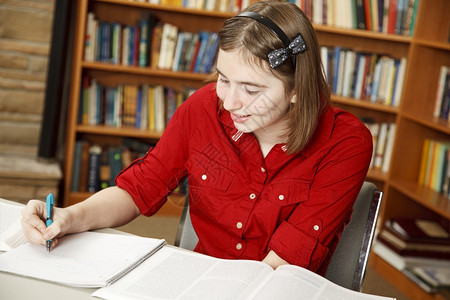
316	227
239	225
204	177
281	197
238	246
252	196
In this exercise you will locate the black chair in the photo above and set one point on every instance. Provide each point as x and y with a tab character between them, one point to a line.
348	264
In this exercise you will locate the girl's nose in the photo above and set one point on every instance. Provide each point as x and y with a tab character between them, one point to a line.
231	99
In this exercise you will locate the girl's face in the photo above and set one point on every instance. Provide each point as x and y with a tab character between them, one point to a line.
256	99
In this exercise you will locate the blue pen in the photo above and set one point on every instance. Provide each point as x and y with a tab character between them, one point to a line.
49	220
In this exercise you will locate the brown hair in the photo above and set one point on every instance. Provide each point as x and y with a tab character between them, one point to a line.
307	80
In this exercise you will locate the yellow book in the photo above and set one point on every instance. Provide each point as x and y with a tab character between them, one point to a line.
434	165
423	161
430	163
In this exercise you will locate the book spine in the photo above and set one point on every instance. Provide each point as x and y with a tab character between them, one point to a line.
93	184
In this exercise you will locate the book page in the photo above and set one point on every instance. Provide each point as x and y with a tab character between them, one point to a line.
88	259
292	282
11	234
174	273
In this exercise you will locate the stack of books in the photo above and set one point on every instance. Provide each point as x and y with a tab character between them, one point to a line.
420	248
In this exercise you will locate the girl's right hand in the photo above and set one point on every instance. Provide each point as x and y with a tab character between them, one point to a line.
33	223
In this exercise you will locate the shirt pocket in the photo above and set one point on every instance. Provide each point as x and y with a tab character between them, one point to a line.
208	173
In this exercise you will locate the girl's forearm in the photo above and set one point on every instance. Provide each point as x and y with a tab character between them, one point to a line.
110	207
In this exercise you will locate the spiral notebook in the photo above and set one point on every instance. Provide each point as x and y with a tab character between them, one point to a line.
88	259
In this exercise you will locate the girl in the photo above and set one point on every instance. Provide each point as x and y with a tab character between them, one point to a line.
273	169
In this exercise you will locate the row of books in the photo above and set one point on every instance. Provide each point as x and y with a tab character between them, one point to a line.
387	16
210	5
383	135
150	43
96	167
442	102
420	248
148	107
364	76
434	170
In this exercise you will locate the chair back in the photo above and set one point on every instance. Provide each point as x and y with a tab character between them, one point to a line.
348	264
349	261
186	237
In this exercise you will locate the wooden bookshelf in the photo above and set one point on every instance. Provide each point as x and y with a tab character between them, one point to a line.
426	50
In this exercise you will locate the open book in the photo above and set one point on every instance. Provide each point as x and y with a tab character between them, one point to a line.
174	273
11	234
88	259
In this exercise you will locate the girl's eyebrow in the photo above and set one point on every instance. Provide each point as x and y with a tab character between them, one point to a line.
244	82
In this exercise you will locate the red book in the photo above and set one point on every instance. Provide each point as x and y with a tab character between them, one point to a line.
392	15
137	34
367	8
194	57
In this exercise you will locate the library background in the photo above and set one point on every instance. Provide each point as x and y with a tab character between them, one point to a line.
125	66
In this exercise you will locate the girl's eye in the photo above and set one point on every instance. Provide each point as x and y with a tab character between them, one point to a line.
250	91
222	80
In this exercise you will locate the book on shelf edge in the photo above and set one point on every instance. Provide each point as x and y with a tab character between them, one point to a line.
412	251
420	229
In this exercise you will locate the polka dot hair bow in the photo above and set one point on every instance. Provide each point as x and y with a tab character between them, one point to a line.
278	56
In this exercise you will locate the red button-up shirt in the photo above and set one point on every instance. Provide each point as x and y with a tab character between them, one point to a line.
243	205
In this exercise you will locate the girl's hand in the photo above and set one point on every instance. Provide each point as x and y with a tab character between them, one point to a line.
33	223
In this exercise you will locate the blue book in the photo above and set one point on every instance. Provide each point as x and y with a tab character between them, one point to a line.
143	43
106	42
204	36
211	53
337	54
138	108
130	45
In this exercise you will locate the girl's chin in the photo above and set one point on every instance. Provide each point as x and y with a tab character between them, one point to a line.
243	127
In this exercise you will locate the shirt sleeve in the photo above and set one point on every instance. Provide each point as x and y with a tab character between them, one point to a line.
150	179
313	229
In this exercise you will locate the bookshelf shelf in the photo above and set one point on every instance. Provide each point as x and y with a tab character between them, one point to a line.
364	104
377	175
144	71
431	122
426	51
434	201
363	34
122	131
169	8
434	44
